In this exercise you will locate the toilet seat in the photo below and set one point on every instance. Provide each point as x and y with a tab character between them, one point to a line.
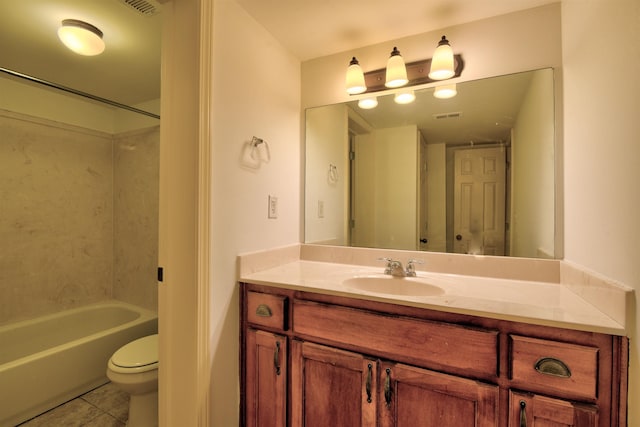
140	355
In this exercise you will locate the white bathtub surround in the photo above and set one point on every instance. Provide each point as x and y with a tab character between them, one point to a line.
79	216
49	360
519	289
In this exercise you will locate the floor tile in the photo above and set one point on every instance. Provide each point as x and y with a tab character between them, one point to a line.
104	420
75	413
110	399
106	406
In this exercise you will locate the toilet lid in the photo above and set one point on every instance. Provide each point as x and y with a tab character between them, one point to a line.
141	352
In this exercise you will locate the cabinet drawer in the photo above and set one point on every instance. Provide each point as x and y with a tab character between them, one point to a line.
435	345
568	370
267	310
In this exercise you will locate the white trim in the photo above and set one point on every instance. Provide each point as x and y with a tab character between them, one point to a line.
204	212
184	219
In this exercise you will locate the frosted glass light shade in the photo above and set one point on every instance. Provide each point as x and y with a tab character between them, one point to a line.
368	103
445	91
442	61
405	97
355	78
396	75
81	37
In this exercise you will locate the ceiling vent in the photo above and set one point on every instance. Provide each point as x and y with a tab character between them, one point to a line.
144	7
452	115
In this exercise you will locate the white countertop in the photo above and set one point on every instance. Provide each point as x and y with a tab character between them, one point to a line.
540	303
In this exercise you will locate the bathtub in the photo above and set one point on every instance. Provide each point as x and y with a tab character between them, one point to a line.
51	359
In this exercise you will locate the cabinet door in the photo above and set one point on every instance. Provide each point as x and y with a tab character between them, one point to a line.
411	397
530	410
331	387
266	379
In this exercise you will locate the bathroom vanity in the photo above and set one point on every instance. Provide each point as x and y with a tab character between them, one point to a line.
315	354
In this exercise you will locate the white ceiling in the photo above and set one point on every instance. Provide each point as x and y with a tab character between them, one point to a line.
129	69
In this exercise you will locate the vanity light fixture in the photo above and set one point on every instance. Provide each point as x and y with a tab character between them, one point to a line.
81	37
405	97
445	91
355	78
396	70
368	103
444	65
442	61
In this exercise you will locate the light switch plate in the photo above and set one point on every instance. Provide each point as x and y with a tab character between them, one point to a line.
273	207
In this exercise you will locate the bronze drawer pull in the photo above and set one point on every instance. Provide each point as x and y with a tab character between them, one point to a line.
276	358
388	391
368	385
553	366
263	310
523	414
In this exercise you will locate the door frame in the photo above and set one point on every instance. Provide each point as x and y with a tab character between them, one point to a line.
184	217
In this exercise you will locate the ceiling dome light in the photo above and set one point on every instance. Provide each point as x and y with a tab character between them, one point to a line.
368	103
442	61
445	91
355	78
405	97
396	71
80	37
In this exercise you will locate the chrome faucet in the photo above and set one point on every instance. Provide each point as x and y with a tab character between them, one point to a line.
394	267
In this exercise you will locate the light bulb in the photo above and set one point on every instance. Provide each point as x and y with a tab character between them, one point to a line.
442	61
405	97
396	75
445	91
355	78
368	103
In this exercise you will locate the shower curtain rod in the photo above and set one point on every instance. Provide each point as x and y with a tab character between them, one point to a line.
77	92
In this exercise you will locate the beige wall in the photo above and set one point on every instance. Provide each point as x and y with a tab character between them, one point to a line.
256	92
394	179
22	96
602	152
437	195
328	135
532	171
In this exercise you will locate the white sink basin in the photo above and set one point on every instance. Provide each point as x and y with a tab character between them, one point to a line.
390	285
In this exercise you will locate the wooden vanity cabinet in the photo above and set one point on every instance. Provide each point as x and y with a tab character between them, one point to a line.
331	387
266	379
316	360
265	359
410	396
531	410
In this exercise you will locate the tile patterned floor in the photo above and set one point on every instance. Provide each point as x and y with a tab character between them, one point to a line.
106	406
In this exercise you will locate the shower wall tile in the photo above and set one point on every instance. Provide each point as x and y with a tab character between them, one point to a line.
56	217
136	178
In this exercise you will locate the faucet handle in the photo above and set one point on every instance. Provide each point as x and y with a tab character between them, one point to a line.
388	266
388	260
411	266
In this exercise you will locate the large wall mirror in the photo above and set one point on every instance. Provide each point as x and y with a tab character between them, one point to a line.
469	174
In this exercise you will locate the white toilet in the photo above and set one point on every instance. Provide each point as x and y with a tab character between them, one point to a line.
134	369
